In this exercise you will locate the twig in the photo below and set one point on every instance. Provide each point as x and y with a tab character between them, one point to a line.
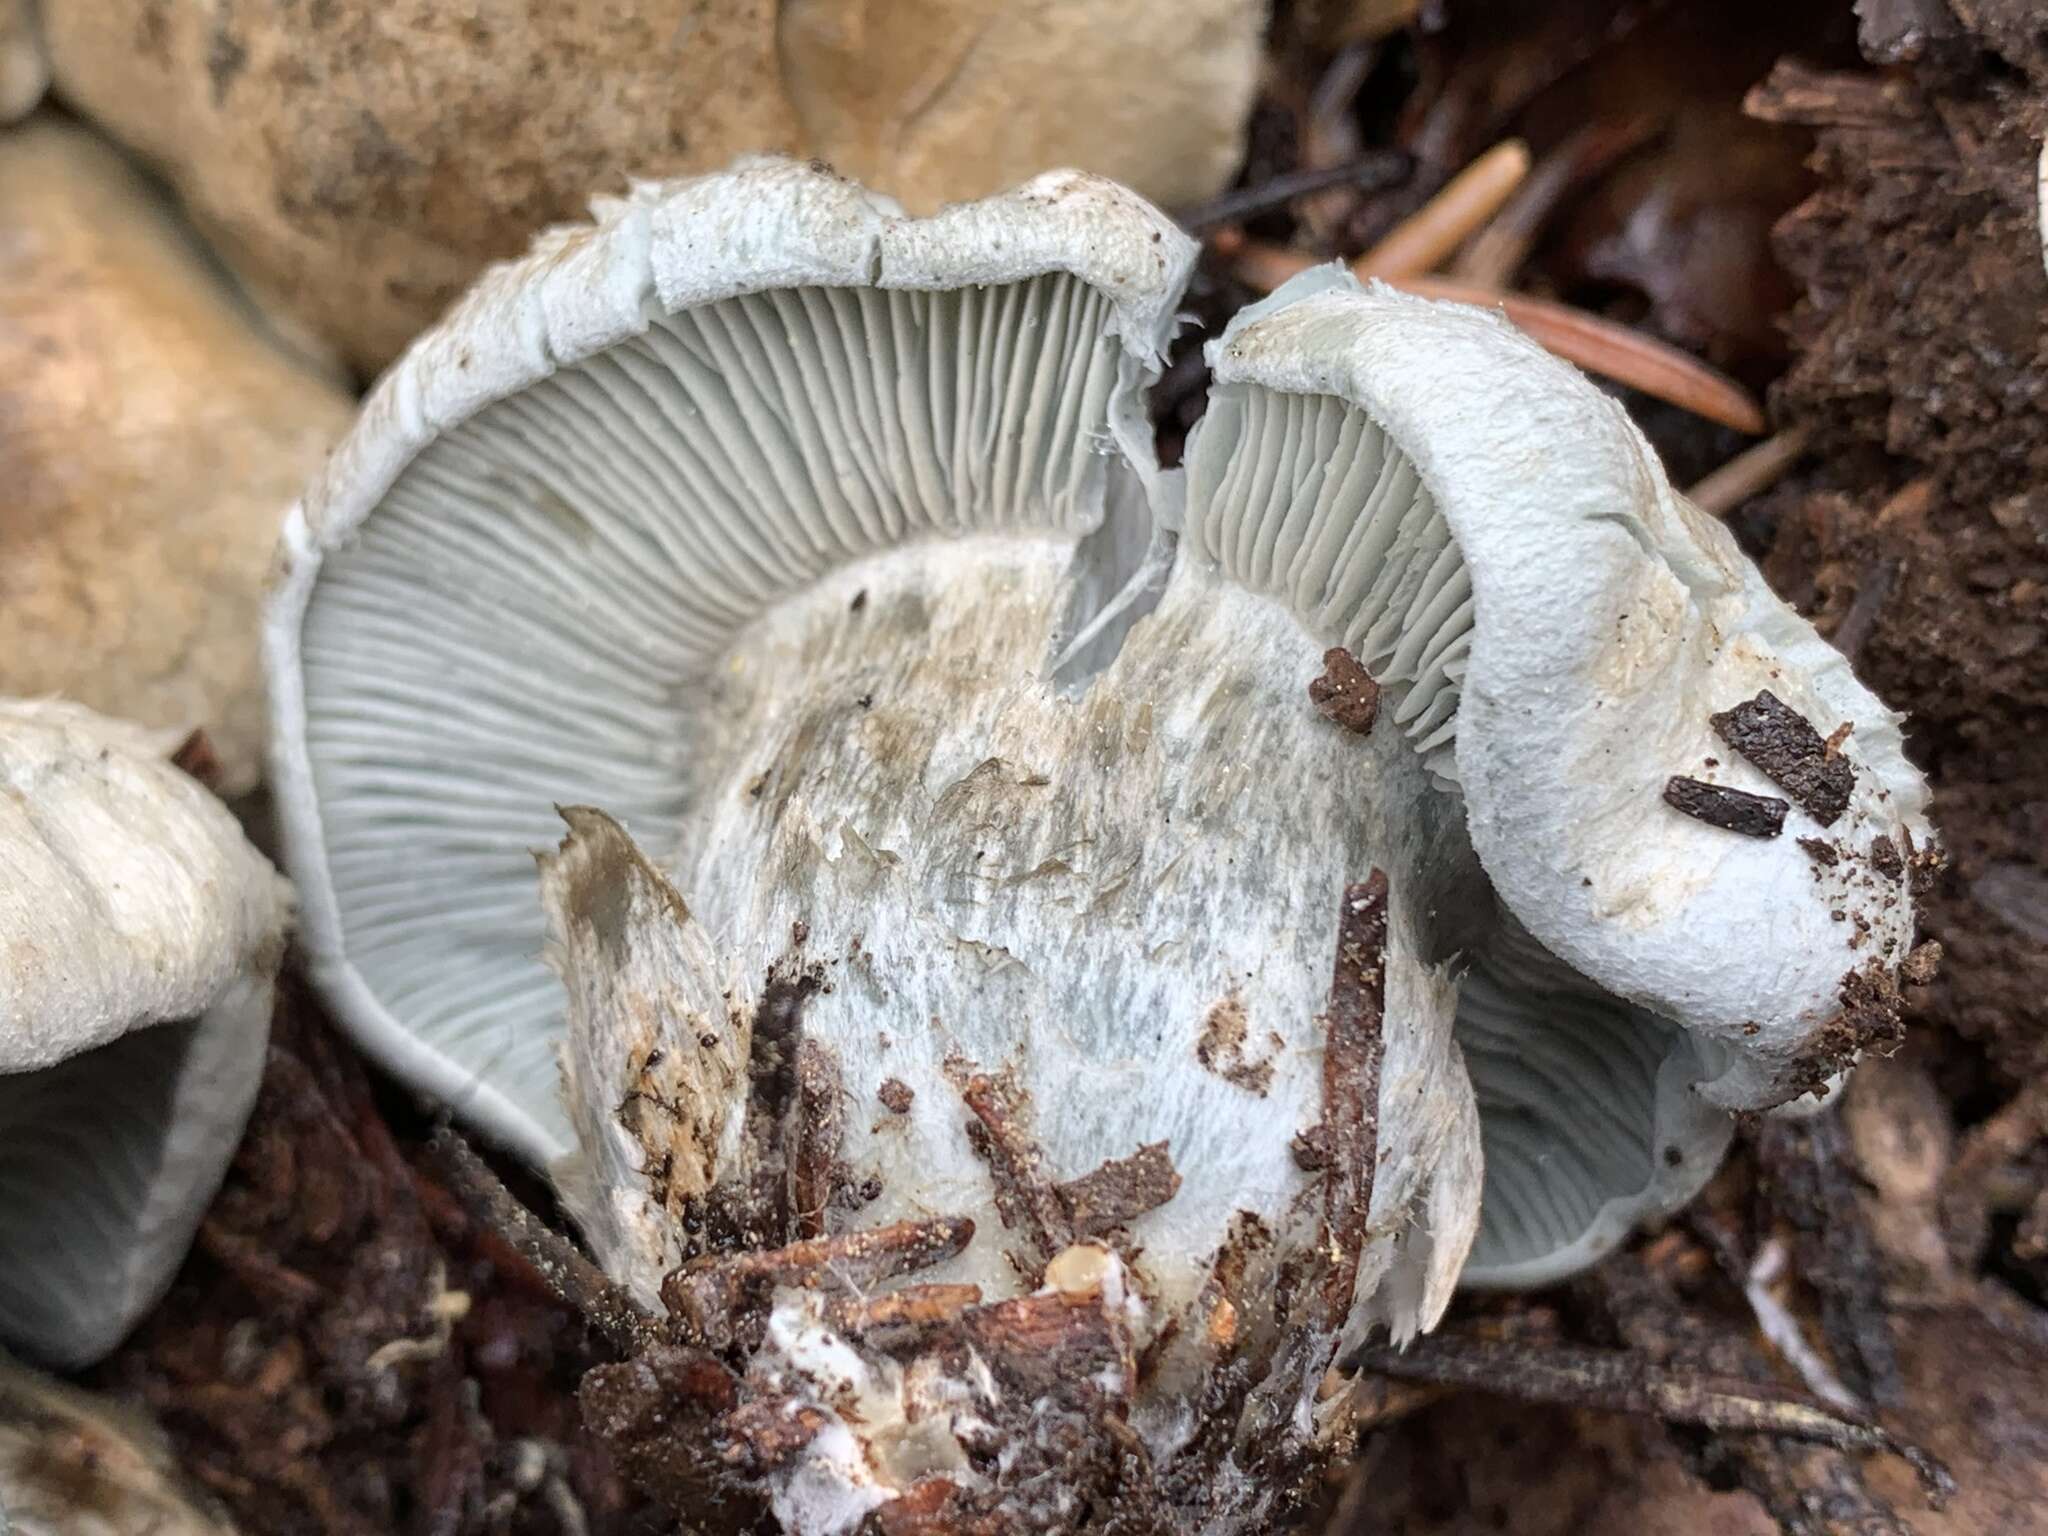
1755	470
1812	1490
1373	172
1441	225
1623	1381
1024	1196
580	1284
1351	1082
712	1296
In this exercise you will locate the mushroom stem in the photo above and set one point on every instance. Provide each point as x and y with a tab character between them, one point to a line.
1012	897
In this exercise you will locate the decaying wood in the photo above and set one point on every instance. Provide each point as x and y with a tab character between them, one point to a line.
1811	1484
712	1298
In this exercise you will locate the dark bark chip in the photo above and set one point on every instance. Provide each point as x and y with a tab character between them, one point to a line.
1733	810
1788	751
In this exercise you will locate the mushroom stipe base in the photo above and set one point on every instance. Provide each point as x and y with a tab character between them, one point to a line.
719	1401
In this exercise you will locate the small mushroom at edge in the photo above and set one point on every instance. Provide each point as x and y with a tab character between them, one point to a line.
75	1464
143	936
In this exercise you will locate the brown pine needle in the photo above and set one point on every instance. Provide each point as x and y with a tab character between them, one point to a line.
1495	254
1750	472
1427	236
1612	351
1596	345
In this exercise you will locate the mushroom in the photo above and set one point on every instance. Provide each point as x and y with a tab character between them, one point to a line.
1098	888
142	937
359	167
150	431
75	1464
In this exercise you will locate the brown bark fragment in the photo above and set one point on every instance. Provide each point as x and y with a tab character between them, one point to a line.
1351	1082
911	1306
1346	693
760	1436
1120	1191
815	1169
1732	810
1783	745
714	1298
1024	1196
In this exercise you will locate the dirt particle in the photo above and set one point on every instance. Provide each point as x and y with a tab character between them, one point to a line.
1920	965
1885	858
1221	1048
1821	851
1346	693
896	1095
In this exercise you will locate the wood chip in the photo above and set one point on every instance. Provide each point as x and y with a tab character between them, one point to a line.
1346	693
1120	1191
1783	745
1732	810
714	1298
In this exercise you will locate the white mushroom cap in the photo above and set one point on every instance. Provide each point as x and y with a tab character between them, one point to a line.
142	934
606	536
571	604
1583	624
